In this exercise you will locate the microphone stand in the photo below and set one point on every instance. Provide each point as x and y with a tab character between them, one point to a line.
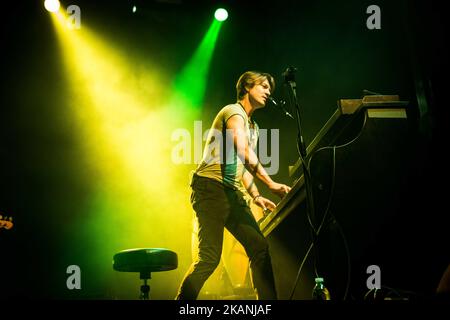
289	78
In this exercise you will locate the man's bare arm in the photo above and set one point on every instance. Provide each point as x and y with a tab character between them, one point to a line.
236	127
249	184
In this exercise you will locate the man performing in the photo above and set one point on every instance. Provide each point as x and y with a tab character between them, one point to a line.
227	169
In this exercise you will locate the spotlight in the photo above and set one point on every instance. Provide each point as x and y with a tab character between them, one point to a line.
134	9
51	5
221	14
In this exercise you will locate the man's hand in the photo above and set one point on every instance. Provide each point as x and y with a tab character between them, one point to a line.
279	189
264	203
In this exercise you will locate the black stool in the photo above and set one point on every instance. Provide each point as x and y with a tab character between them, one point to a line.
145	261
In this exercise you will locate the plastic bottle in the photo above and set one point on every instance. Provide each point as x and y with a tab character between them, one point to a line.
320	292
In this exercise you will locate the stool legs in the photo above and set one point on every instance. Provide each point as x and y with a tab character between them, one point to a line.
145	289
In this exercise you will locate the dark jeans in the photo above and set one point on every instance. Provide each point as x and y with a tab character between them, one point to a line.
216	207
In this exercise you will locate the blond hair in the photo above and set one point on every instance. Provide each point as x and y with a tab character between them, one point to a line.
249	79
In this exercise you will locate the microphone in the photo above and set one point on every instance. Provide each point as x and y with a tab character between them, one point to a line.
289	74
368	92
272	100
280	105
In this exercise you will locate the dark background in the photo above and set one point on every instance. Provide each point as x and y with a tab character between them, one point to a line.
336	56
